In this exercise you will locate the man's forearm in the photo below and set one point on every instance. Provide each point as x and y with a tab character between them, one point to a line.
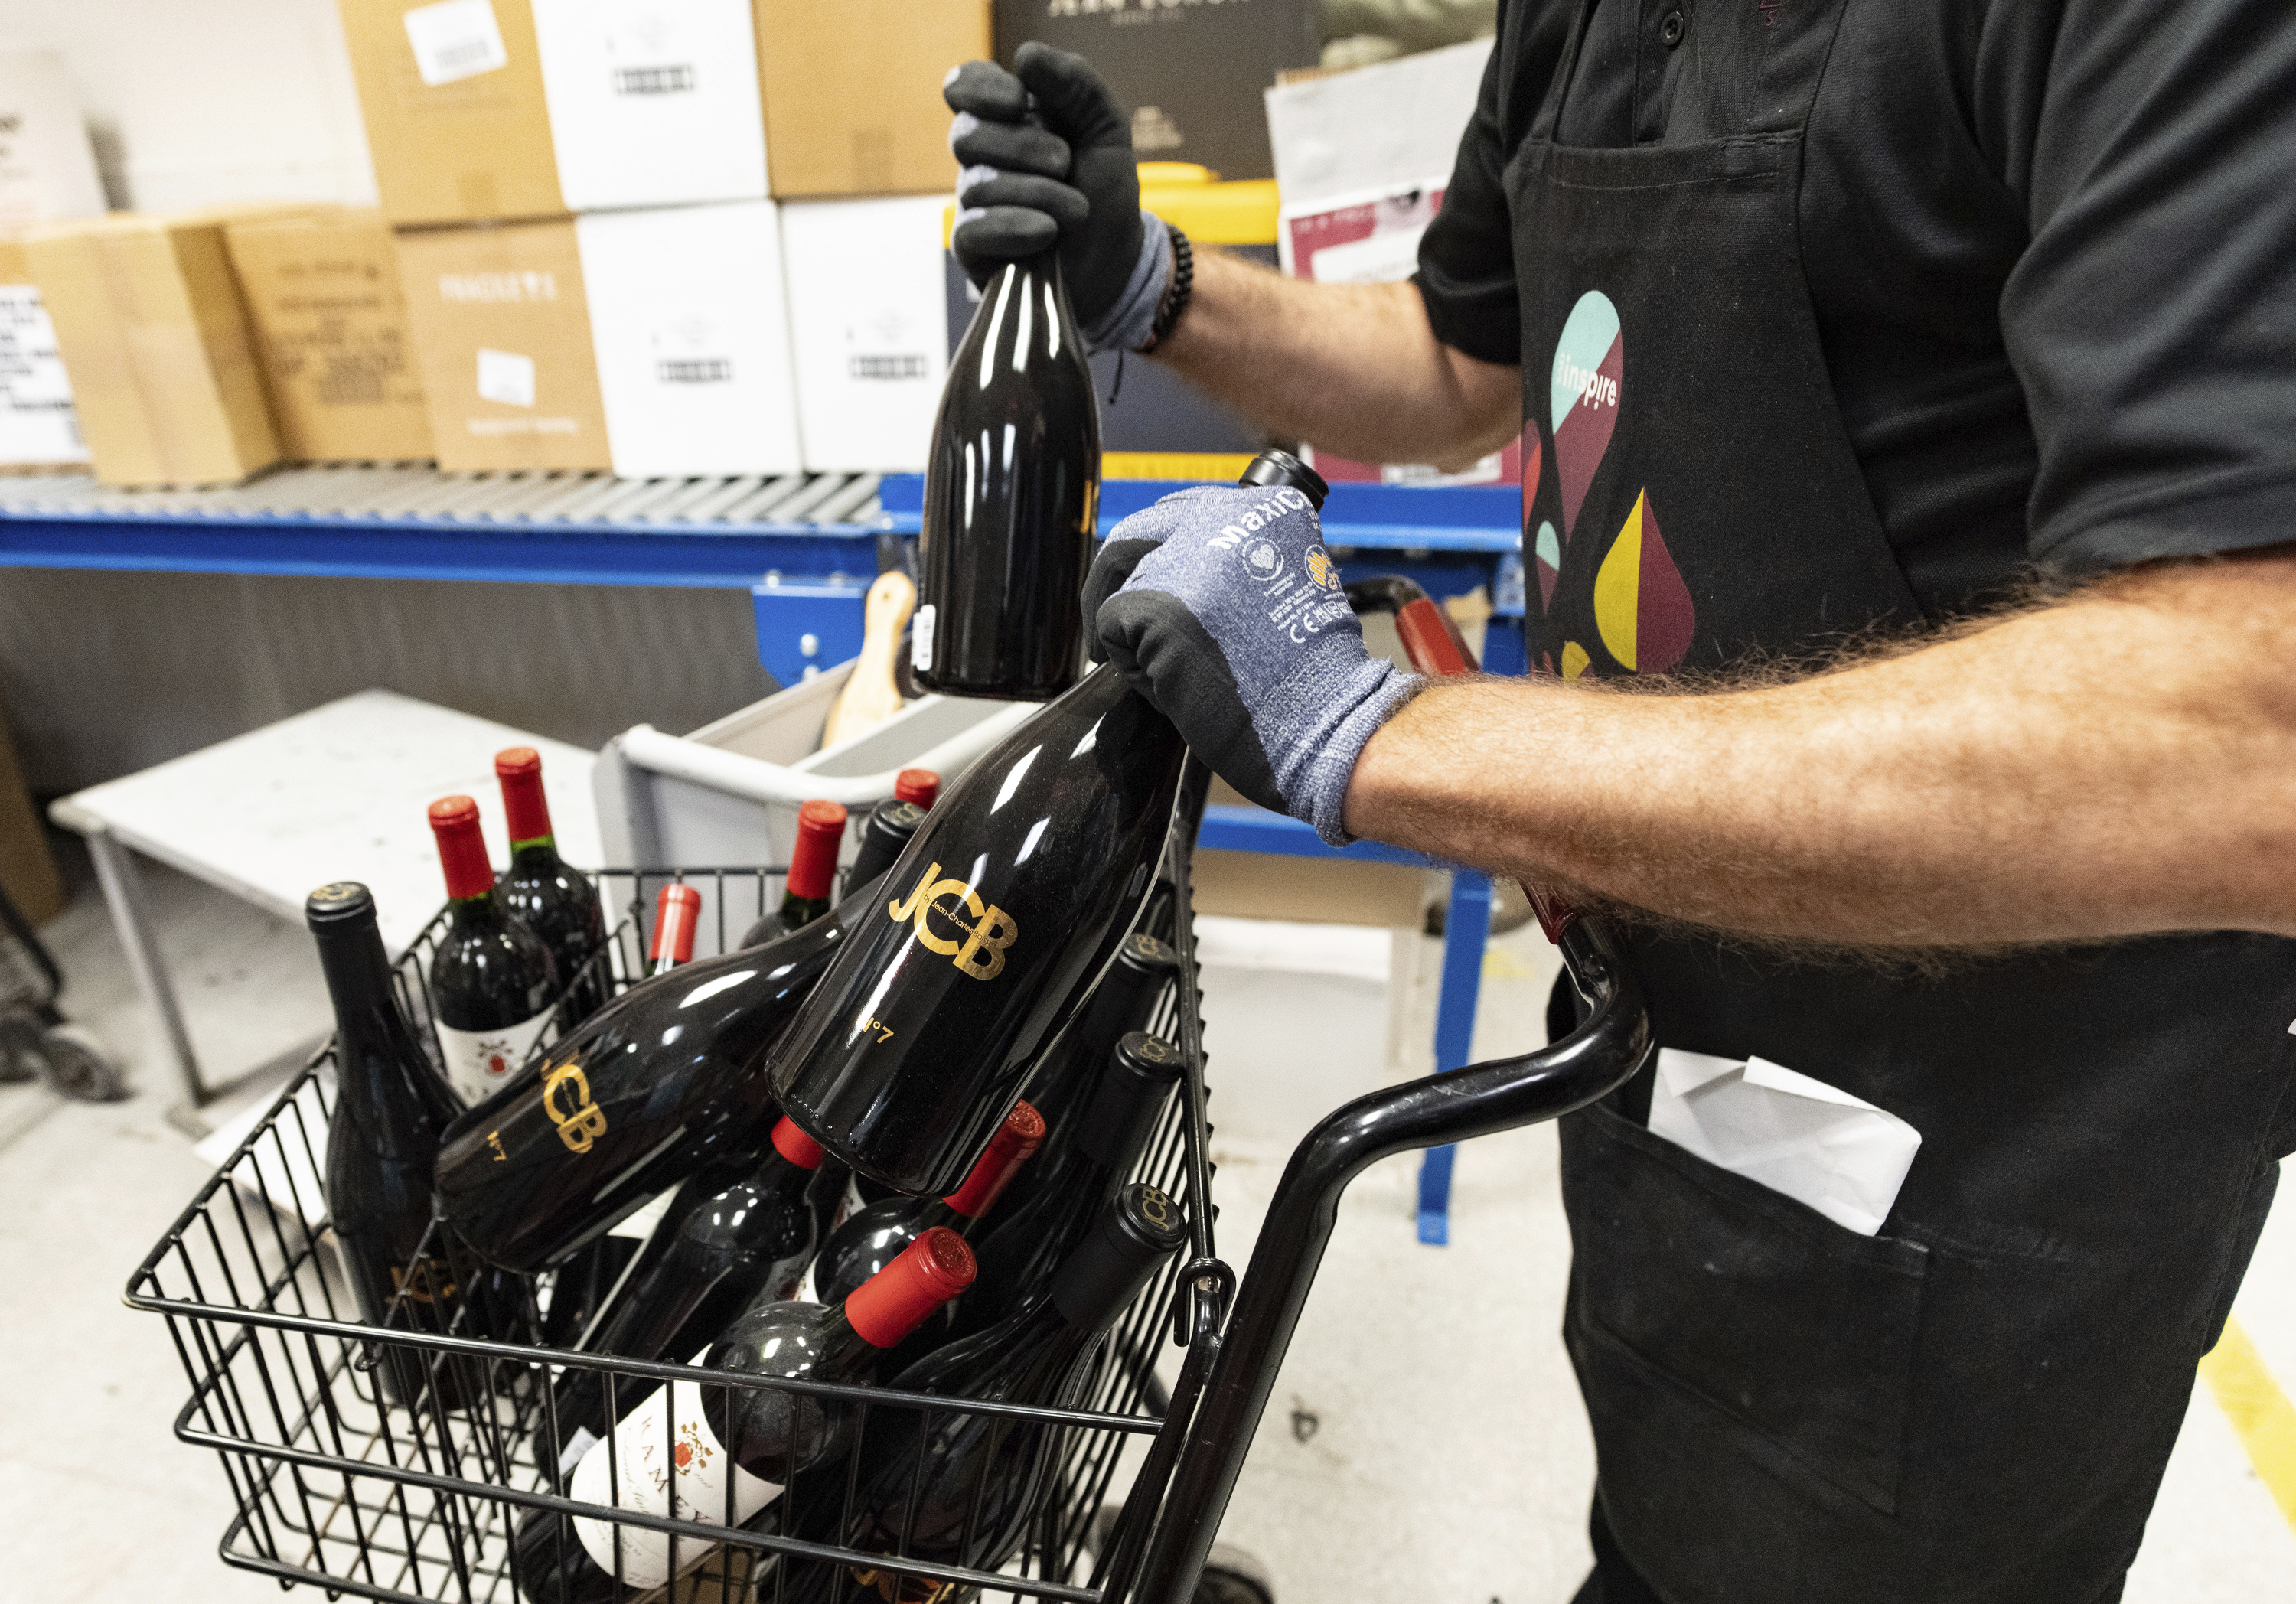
2123	761
1353	369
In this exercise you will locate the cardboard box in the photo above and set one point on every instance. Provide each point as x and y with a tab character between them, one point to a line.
48	168
148	320
647	342
852	92
869	327
1192	74
38	426
323	294
1375	129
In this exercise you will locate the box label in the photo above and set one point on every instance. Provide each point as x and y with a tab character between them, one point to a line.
506	377
37	424
454	39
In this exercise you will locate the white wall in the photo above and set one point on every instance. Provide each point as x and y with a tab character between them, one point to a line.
198	102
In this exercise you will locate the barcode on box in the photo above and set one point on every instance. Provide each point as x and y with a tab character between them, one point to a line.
454	39
653	80
695	370
908	366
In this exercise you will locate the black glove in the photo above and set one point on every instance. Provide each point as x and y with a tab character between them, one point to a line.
1047	154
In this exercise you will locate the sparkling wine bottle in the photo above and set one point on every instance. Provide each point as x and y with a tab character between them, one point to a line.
812	873
1011	492
719	1247
556	903
662	1083
492	979
390	1112
718	1455
885	836
677	912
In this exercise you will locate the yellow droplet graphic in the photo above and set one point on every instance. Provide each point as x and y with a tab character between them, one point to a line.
1617	588
1574	660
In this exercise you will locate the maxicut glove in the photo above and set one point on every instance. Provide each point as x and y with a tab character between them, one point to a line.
1047	154
1222	607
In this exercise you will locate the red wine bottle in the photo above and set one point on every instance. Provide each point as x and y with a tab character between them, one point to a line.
884	836
664	1082
390	1112
677	912
492	979
736	1449
717	1249
878	1235
982	1474
1004	910
918	786
812	873
1103	1143
1012	493
556	903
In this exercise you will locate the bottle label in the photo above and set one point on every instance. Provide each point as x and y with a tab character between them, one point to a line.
480	1061
807	1292
921	638
666	1462
849	1204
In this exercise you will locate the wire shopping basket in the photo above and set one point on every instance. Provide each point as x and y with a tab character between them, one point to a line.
400	1462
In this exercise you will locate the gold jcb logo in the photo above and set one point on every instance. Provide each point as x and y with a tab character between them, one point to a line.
566	1098
983	930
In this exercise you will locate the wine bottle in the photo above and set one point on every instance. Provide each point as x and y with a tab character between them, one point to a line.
665	1081
492	979
1012	493
885	835
556	903
677	912
719	1454
982	1473
812	873
719	1247
878	1235
581	1287
918	786
390	1112
1020	883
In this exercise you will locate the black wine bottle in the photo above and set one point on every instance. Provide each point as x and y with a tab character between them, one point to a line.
659	1083
390	1112
492	979
556	903
1000	915
982	1473
885	835
812	873
719	1455
581	1288
1012	493
1022	1249
718	1248
677	913
878	1235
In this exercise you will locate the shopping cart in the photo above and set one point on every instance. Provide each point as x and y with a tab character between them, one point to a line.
36	1041
338	1488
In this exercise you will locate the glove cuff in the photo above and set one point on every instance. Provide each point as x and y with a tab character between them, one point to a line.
1323	800
1130	318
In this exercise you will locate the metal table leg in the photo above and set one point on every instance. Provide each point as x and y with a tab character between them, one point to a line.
1466	929
123	890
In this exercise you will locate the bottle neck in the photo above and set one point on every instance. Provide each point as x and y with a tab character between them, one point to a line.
1115	1122
535	851
842	1350
525	810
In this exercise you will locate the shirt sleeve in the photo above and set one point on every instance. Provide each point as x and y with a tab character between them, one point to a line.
2152	320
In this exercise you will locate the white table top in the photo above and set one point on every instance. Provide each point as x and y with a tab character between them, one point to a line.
337	793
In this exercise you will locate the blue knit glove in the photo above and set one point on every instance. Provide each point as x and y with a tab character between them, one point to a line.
1221	607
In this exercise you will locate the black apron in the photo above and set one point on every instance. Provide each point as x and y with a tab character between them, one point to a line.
1977	1404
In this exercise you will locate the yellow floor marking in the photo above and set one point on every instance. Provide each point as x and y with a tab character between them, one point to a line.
2260	1413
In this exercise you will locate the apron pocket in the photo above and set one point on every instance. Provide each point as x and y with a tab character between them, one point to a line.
1760	1306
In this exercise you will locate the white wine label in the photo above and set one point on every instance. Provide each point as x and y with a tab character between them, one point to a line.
577	1446
806	1291
454	39
921	639
656	1459
480	1061
852	1203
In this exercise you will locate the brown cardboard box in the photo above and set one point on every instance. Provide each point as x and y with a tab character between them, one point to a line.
852	92
149	319
502	336
474	143
322	292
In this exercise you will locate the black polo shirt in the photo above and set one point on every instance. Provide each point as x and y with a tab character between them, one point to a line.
2051	247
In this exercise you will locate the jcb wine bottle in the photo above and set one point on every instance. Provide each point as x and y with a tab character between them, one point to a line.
390	1112
556	903
492	979
812	872
718	1455
1011	491
677	912
666	1079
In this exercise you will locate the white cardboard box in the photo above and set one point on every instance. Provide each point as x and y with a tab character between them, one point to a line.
652	103
869	323
47	168
1380	127
690	336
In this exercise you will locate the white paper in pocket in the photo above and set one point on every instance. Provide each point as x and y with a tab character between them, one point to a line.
1818	1145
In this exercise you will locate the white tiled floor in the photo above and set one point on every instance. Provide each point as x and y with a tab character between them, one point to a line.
1424	1443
